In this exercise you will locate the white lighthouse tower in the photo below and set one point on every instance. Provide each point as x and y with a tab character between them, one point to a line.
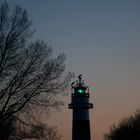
80	105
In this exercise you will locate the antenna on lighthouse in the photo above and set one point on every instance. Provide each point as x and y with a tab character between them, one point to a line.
80	78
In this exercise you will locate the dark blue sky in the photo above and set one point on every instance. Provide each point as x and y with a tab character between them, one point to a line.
101	39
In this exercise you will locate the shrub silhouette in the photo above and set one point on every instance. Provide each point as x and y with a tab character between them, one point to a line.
127	129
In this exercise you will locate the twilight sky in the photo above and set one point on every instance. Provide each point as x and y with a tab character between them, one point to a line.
101	39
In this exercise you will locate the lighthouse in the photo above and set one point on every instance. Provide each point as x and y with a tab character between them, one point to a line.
80	106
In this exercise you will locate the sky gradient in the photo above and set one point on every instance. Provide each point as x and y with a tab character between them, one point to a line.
101	39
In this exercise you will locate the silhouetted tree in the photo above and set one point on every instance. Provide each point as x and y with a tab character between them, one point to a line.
127	129
14	129
7	129
52	133
29	75
46	132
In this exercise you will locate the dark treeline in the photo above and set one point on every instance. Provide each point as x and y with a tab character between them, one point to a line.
127	129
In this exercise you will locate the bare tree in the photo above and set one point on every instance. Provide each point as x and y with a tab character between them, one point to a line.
25	131
52	133
46	132
7	129
14	129
127	129
29	75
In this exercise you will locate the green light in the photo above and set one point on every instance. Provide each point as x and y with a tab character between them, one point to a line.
80	91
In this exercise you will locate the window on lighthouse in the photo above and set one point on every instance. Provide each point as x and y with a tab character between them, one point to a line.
81	91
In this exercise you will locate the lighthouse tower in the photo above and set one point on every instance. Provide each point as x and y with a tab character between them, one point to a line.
80	105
